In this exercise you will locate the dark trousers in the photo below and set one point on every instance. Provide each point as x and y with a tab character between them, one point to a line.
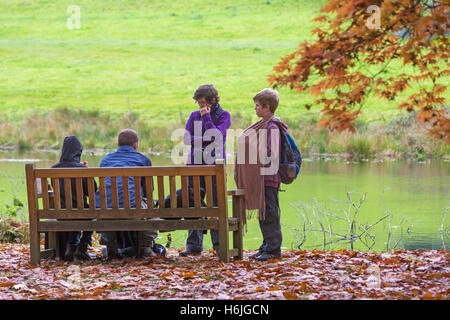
73	237
271	226
195	237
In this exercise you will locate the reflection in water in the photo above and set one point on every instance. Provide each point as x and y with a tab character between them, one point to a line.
414	194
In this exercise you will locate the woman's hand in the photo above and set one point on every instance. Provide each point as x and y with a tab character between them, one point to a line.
204	110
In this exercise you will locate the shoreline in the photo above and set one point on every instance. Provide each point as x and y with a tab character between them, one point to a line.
399	138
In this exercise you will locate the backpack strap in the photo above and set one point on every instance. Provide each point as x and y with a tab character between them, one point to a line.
277	124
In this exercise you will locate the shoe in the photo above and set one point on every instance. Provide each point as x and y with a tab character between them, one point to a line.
81	252
127	252
159	249
267	256
255	255
147	252
189	252
69	253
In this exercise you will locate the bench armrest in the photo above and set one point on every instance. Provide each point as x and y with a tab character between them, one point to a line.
236	192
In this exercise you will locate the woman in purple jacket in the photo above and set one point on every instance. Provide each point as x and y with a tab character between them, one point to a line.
206	131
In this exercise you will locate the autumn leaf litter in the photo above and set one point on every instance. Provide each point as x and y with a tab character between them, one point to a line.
314	274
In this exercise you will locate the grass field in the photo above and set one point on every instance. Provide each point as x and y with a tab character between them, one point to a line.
148	57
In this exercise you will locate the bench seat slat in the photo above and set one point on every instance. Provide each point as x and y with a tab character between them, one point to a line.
126	171
149	190
184	192
56	193
68	193
137	192
79	189
126	225
91	192
128	213
161	192
114	193
44	188
126	191
209	191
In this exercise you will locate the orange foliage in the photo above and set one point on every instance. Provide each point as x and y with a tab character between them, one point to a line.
339	68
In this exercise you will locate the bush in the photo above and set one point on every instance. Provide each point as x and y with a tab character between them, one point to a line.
12	231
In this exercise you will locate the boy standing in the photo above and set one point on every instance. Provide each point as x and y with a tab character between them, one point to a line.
260	178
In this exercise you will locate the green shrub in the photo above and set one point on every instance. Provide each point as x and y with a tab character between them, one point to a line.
360	147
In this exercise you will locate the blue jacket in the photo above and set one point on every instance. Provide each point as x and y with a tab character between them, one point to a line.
125	156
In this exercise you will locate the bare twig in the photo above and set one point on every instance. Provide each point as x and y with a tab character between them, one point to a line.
442	228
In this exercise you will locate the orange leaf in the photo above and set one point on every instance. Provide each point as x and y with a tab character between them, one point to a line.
289	295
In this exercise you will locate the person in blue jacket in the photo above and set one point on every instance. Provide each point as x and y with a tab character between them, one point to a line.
121	244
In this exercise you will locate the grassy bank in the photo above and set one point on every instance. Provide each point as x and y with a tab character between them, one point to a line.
398	137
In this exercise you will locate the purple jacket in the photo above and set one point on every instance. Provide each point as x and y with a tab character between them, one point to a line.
196	127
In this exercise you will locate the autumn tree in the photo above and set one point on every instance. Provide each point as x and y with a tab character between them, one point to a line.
356	43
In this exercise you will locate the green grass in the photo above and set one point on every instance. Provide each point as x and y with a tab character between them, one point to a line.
149	56
144	55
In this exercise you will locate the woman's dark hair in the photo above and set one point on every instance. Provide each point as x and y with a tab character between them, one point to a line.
208	92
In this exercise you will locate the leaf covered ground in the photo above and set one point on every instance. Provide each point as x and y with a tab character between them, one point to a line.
342	274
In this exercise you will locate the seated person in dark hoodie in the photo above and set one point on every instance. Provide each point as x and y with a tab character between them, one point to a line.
70	158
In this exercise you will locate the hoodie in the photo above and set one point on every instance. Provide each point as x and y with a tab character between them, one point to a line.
70	158
70	153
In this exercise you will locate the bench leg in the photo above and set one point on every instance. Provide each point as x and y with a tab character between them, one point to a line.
35	249
238	242
224	252
53	243
223	246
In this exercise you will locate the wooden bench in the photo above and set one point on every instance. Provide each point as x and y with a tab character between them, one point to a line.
46	215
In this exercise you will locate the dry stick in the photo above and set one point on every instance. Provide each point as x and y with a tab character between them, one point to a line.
305	220
442	228
321	224
366	230
387	214
354	216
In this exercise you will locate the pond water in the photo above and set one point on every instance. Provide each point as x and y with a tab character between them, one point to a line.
398	203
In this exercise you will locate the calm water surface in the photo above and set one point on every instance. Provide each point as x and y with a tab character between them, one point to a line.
412	197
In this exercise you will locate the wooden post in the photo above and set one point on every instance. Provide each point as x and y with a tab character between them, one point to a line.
223	215
53	238
238	206
35	254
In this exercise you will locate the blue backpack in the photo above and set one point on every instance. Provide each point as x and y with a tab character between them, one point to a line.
291	158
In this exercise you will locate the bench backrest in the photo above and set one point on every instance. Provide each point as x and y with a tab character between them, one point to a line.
159	181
